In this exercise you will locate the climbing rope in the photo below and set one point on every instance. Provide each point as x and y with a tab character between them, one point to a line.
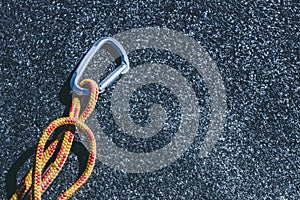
41	175
42	178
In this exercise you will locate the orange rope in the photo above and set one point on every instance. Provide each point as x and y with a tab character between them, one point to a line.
41	181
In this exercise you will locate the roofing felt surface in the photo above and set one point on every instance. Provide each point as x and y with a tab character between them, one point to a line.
255	49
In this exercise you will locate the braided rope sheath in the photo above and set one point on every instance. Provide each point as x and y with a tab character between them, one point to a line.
42	181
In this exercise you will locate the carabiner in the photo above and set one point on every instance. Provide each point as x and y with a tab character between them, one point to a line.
117	51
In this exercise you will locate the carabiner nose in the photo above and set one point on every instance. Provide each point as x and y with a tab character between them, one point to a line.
117	51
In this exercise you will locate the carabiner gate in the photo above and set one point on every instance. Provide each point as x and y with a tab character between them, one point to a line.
117	51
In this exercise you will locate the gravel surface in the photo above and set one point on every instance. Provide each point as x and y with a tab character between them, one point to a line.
255	46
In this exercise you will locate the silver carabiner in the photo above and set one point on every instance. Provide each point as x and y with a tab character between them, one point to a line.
117	51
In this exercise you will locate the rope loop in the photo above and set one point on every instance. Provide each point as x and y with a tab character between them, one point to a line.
38	179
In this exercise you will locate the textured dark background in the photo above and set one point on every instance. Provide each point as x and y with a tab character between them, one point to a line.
255	46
